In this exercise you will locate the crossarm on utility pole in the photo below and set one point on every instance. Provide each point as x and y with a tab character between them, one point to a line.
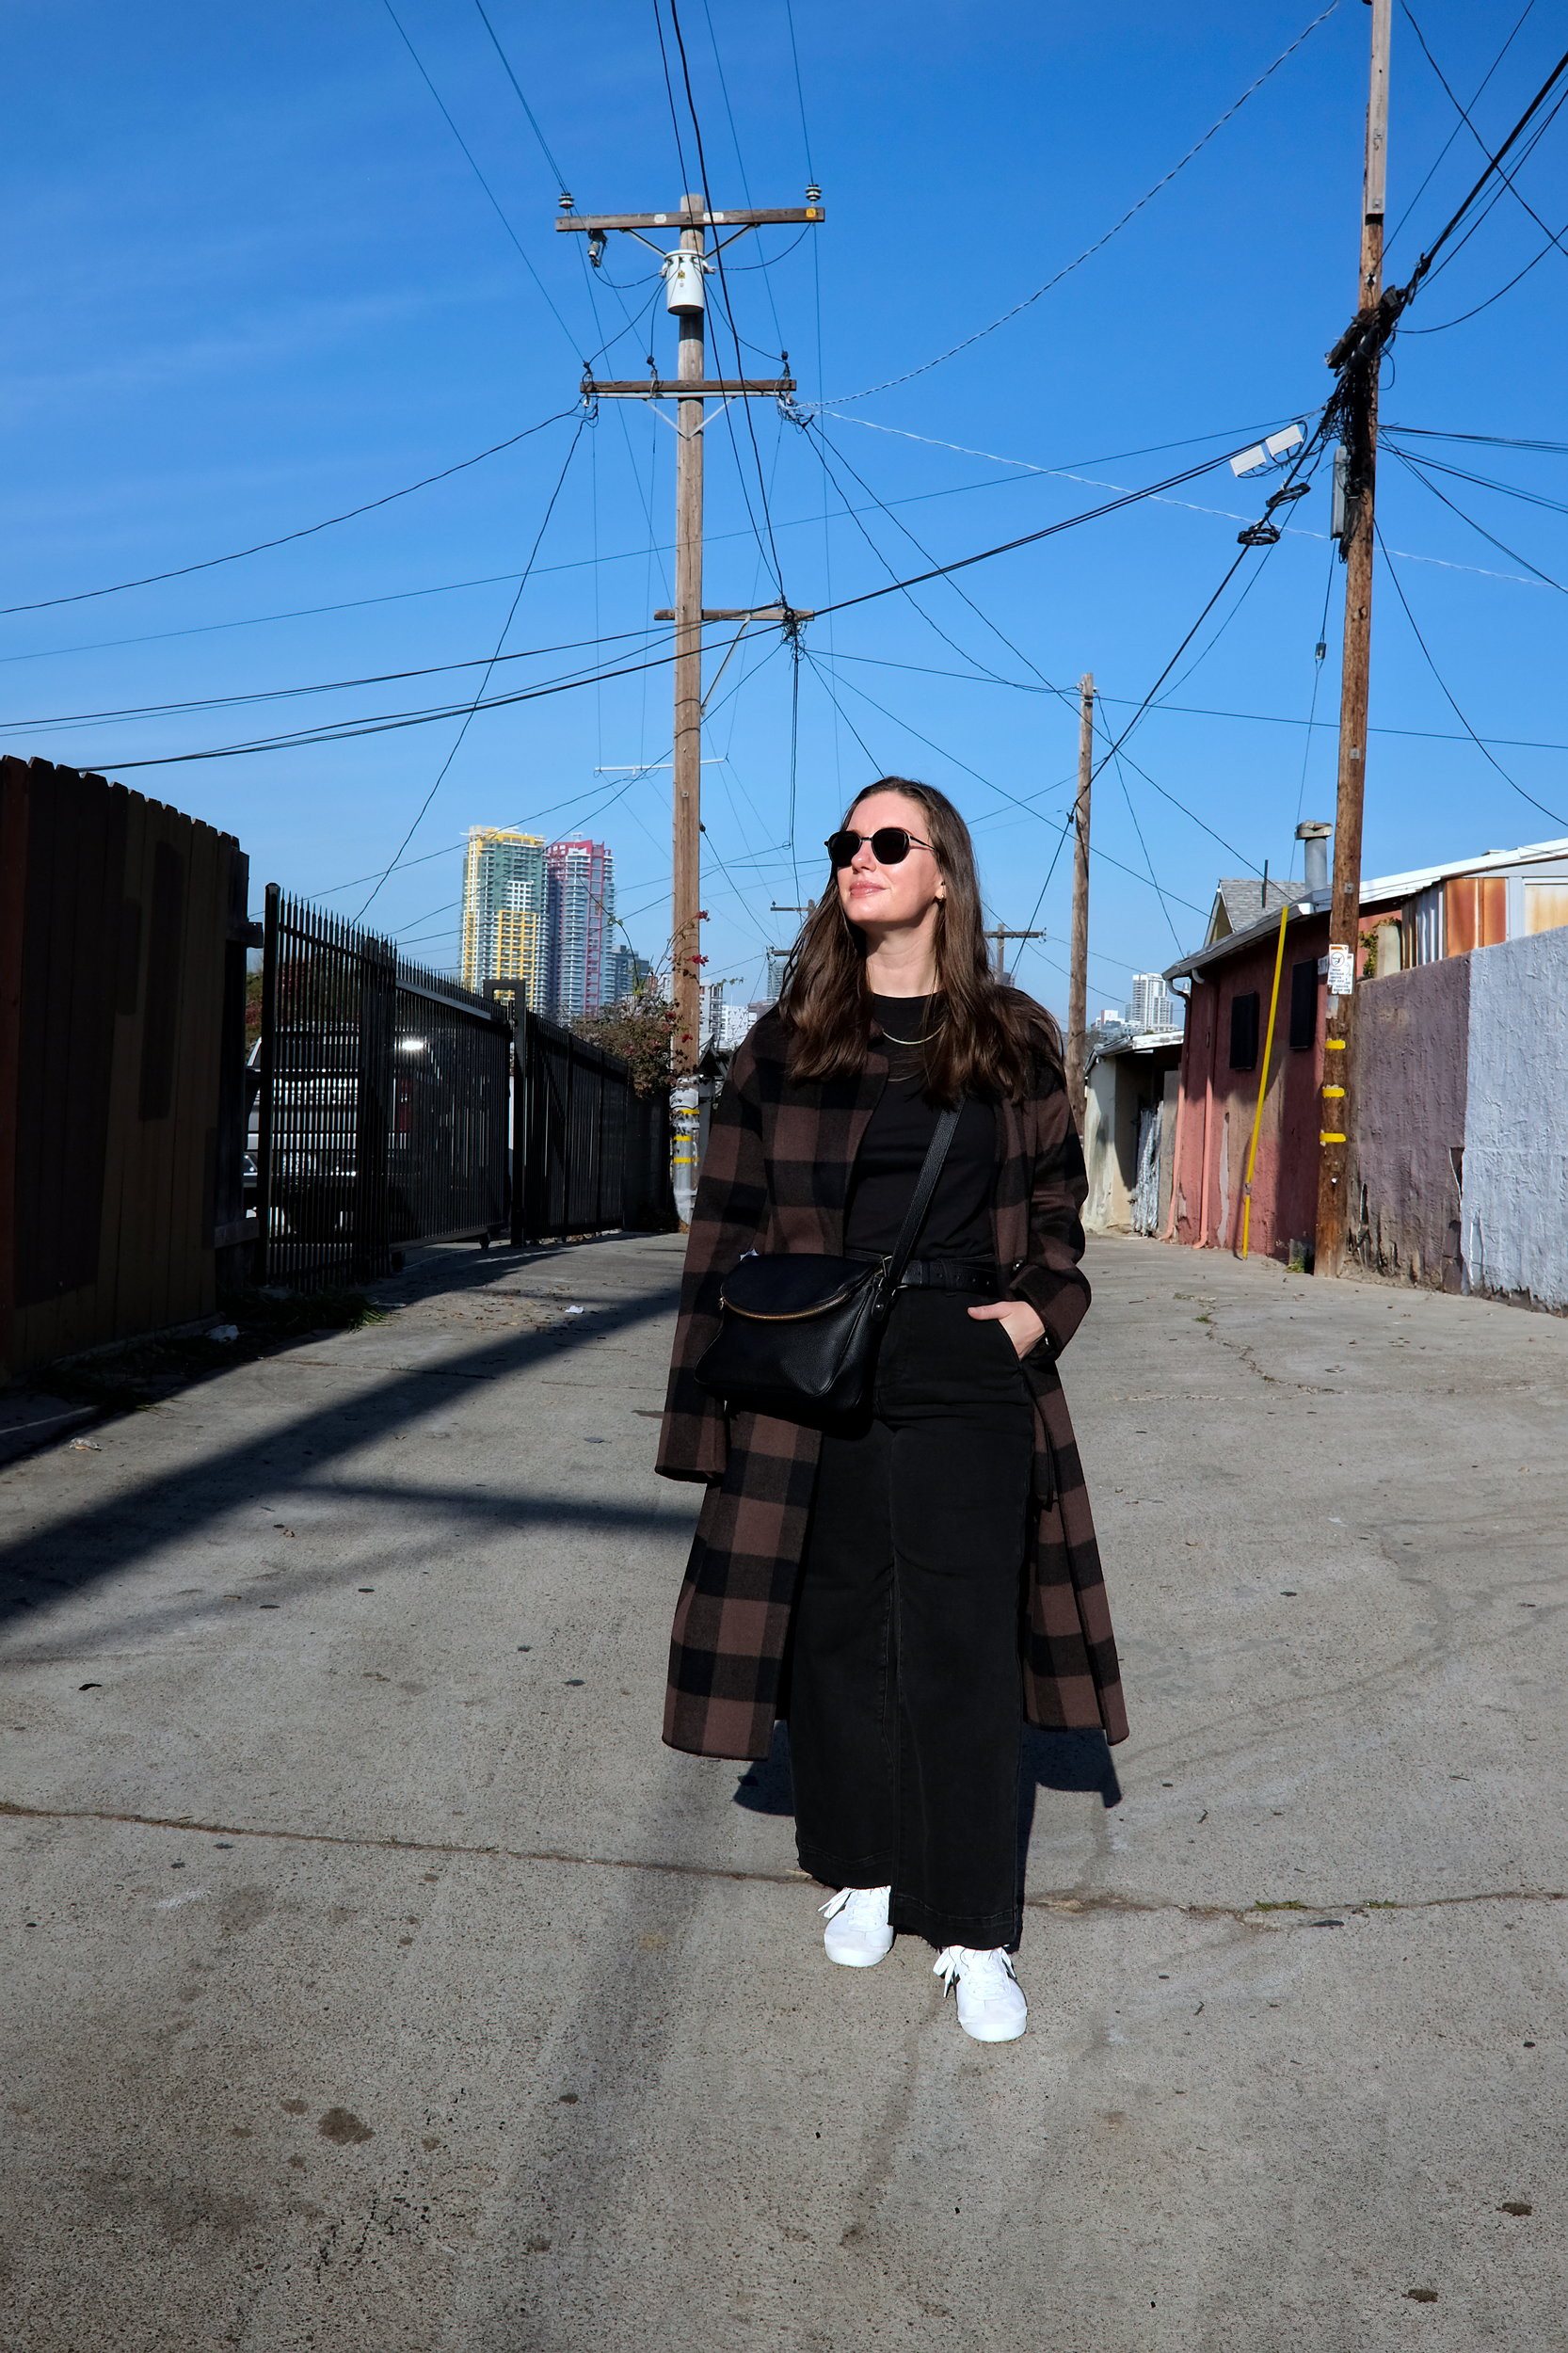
693	215
712	388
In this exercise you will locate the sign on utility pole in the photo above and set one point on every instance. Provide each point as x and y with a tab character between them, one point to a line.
1358	355
685	267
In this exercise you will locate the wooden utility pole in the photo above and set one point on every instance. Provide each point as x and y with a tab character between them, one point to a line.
1001	934
686	946
685	269
1078	982
1358	355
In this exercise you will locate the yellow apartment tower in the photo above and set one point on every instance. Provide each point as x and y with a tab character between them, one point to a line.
504	911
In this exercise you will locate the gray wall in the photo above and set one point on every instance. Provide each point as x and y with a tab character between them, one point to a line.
1516	1198
1407	1134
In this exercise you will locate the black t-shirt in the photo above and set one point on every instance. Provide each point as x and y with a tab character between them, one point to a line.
958	1222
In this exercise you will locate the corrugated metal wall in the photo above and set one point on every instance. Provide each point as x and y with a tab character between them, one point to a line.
122	931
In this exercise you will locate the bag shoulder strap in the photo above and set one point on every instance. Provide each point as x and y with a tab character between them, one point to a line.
925	1185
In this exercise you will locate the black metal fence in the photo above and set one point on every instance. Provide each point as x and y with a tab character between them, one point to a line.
381	1116
594	1154
390	1109
450	1145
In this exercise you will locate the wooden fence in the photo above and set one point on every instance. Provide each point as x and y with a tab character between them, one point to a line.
123	951
392	1107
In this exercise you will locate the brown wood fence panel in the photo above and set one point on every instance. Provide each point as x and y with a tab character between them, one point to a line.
115	947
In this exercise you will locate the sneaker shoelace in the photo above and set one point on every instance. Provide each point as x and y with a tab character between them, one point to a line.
874	1896
961	1960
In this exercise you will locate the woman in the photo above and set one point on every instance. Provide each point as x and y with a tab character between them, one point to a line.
928	1573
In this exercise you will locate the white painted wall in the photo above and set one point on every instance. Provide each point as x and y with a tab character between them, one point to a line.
1513	1206
1108	1209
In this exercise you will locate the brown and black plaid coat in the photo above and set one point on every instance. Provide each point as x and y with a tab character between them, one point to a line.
775	1177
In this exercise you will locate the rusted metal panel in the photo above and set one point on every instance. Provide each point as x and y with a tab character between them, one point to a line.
1475	912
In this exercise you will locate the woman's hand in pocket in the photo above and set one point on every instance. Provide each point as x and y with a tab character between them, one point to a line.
1017	1318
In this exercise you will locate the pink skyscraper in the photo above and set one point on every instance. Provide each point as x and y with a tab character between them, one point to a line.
579	924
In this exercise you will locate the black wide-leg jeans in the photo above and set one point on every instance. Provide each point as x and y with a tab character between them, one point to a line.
905	1700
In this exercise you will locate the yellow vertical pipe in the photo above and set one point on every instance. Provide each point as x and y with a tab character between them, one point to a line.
1262	1082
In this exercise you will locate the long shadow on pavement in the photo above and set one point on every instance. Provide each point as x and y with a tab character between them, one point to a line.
78	1551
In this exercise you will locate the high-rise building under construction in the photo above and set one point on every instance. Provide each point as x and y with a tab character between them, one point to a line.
504	909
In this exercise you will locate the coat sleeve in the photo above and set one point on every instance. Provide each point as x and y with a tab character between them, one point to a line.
1050	1278
728	1220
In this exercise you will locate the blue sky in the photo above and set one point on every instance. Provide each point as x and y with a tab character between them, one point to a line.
251	280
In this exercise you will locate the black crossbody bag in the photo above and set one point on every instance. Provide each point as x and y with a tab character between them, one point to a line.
798	1334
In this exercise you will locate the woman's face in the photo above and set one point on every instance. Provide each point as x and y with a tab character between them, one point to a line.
891	898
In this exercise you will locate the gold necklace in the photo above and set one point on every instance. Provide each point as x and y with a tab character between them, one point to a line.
917	1041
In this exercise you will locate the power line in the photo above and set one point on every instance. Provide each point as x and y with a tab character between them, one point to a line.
1397	299
819	451
1089	250
571	801
533	120
1319	653
1481	88
669	93
1047	531
729	321
1203	710
920	550
740	166
1475	310
1414	467
1492	441
1463	115
326	686
826	685
468	716
1164	906
210	563
1199	658
800	93
1149	701
473	165
1399	590
1000	790
622	555
1489	482
1481	218
384	722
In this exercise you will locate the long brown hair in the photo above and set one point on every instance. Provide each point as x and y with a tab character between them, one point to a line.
992	1037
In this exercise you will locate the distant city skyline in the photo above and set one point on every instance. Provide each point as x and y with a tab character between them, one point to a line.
540	915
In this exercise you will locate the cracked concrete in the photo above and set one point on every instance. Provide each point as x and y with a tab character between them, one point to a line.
374	1979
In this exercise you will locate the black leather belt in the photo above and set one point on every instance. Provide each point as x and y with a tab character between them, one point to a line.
944	1274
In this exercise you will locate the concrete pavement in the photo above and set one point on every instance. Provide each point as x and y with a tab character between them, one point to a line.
374	1980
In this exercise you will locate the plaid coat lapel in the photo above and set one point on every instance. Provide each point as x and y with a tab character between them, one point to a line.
775	1177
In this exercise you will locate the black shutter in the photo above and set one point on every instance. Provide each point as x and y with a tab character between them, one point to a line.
1303	1005
1244	1031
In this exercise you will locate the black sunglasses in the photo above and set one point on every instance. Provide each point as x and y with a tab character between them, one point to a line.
890	845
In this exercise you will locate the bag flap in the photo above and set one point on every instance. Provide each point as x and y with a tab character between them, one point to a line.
786	1287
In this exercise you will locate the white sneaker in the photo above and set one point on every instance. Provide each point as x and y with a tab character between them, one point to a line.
858	1933
991	2005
